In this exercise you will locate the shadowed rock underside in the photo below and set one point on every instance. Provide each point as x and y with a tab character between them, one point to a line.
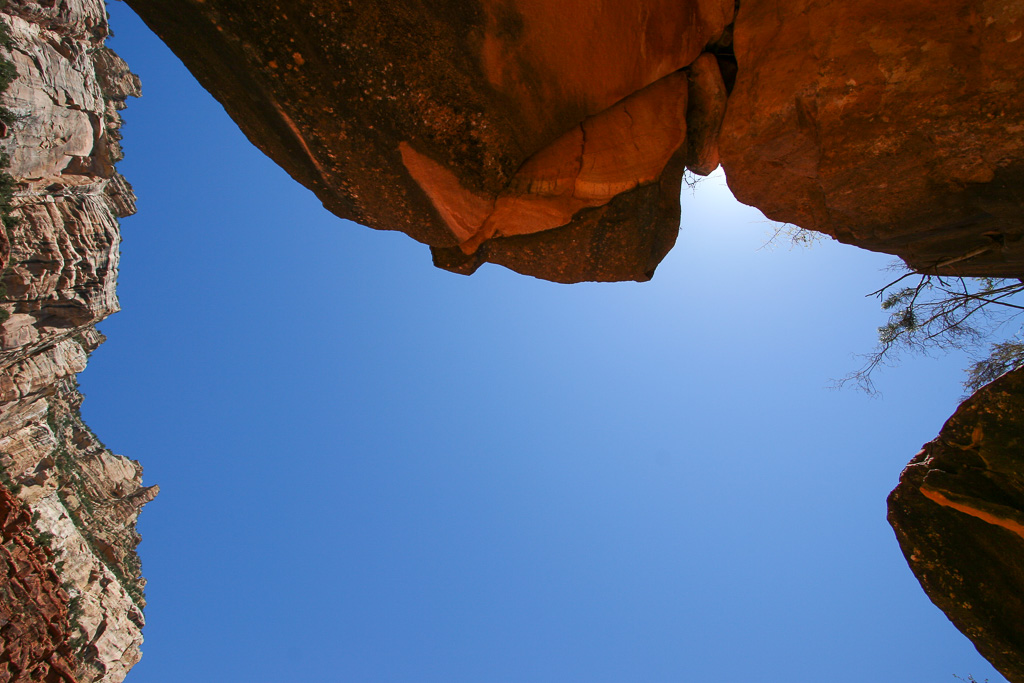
544	136
958	513
548	137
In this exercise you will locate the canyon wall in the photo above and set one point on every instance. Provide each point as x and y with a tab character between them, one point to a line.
547	137
892	126
551	137
73	592
958	513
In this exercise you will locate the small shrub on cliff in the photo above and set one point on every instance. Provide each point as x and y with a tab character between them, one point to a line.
6	41
9	483
8	72
942	313
1002	357
787	233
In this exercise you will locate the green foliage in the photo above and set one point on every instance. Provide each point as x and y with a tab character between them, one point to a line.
9	483
942	313
5	34
76	608
1002	357
44	538
72	480
8	72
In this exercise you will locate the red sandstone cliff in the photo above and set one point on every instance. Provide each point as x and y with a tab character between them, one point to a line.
34	623
544	136
550	137
893	126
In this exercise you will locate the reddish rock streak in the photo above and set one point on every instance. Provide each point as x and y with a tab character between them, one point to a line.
941	499
622	147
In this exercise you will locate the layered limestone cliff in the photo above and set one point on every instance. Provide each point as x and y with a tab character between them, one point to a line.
72	579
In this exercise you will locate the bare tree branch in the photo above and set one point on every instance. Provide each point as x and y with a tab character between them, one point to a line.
941	313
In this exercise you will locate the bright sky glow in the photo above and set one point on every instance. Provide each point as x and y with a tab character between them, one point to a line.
373	470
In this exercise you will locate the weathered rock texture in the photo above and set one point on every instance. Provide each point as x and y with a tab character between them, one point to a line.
550	137
34	625
80	610
958	513
893	126
544	136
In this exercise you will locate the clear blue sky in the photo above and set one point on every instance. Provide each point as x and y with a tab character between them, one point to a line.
376	471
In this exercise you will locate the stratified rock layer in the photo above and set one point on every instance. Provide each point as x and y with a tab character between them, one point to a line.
463	123
958	513
59	262
34	627
893	126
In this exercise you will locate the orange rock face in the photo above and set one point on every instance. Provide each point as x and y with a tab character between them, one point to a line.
894	126
471	126
627	145
704	114
587	55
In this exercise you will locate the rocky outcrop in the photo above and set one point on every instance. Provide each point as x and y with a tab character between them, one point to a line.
59	258
893	126
34	624
958	513
544	136
550	137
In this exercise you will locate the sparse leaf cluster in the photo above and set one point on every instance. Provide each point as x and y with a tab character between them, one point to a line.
794	235
1003	357
930	313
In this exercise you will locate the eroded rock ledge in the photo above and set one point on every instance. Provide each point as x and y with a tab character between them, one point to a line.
551	137
70	576
893	126
958	513
548	137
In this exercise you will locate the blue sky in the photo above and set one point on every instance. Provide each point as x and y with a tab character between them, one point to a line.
373	470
